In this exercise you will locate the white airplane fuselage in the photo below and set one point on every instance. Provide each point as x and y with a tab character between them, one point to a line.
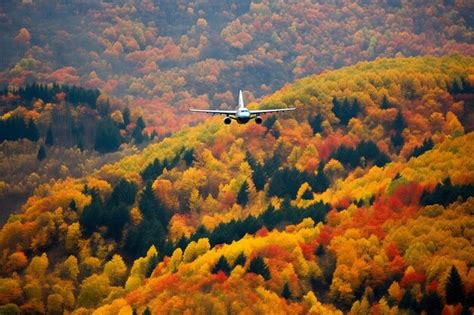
242	115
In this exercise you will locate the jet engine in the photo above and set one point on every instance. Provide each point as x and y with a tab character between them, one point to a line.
258	120
227	120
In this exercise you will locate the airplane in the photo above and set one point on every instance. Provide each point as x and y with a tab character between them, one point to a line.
242	115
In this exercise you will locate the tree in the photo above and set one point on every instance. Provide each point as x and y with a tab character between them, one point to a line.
107	137
116	270
126	116
385	103
243	195
124	192
315	123
73	205
286	292
137	133
49	141
240	260
41	155
222	265
454	288
92	214
258	266
32	131
151	207
93	290
399	123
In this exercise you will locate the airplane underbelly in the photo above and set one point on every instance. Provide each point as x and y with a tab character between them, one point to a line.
243	120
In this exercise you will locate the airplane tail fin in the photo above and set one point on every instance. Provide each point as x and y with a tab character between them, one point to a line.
241	100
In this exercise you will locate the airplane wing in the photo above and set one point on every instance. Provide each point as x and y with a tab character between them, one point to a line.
267	111
214	111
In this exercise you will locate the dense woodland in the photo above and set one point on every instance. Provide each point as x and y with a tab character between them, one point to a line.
53	131
166	56
115	200
359	202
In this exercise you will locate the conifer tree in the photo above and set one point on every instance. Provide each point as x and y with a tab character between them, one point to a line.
41	155
385	103
32	131
240	260
286	293
49	141
258	266
243	195
454	288
222	265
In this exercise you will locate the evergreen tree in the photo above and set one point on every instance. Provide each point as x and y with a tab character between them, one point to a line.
286	292
188	157
240	260
432	303
124	192
454	288
107	138
49	137
286	182
397	140
152	263
115	219
222	265
32	131
426	146
91	216
269	122
151	208
320	182
243	195
399	123
385	103
126	116
258	266
41	155
73	205
316	123
307	195
137	133
147	311
408	301
152	171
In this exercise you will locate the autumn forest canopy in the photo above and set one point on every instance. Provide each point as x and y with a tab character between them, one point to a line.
115	199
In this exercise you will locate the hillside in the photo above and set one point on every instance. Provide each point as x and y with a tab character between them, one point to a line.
361	200
166	56
50	132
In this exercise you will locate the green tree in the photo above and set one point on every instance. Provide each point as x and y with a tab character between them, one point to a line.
41	155
107	137
240	260
92	214
243	195
126	116
286	292
258	266
316	123
137	133
454	288
385	103
32	131
222	265
49	141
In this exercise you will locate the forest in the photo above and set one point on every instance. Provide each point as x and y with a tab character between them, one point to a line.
166	56
115	199
360	202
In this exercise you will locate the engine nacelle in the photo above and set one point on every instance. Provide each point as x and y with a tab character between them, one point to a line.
258	120
227	120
